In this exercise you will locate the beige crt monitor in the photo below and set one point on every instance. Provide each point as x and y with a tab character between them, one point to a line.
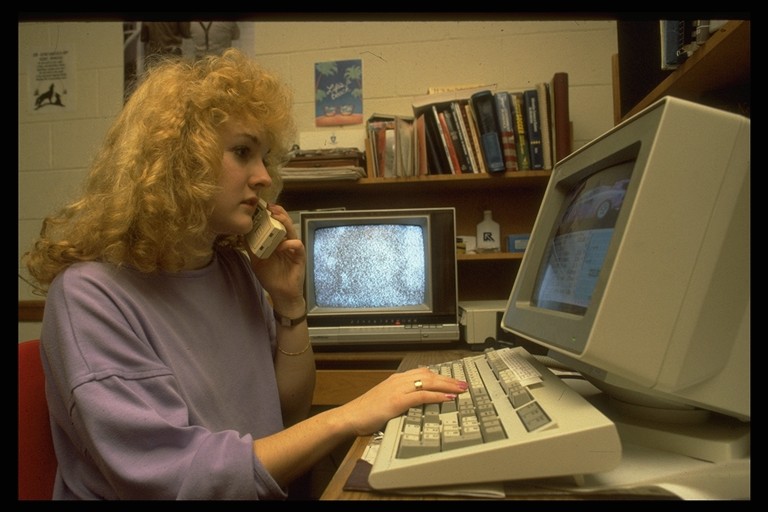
637	273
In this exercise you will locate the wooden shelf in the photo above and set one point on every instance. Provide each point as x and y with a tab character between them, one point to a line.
491	256
444	181
31	310
720	66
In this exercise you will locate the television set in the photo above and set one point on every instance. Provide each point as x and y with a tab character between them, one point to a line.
383	276
637	274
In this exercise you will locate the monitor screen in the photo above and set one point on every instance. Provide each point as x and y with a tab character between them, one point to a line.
637	272
372	266
381	276
577	250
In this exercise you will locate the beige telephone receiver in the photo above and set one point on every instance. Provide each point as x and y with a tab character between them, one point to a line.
267	233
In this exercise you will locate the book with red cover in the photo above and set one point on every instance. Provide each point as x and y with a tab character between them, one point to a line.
558	90
507	129
377	133
466	139
448	140
436	153
445	138
459	146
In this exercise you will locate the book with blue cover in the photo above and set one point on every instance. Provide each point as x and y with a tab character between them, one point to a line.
484	107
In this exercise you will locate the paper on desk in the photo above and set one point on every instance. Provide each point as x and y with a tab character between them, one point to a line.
645	471
642	472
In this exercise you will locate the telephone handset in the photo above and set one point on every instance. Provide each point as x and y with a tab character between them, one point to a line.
267	233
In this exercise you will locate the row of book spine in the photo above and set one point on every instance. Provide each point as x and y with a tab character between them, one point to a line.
474	130
391	146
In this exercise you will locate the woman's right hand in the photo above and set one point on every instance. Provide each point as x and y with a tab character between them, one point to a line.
370	411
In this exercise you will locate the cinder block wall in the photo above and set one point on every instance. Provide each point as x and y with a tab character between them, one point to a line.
401	59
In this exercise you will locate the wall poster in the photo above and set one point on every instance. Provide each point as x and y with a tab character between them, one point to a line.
51	76
339	93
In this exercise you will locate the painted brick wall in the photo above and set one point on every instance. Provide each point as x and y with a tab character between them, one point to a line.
401	59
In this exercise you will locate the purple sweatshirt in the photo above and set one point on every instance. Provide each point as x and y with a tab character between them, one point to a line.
158	384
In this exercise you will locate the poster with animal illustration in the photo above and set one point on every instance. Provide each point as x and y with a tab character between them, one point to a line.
50	77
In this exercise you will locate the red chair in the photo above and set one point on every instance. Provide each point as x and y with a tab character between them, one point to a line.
37	460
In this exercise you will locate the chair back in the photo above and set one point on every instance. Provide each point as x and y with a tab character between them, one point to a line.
37	459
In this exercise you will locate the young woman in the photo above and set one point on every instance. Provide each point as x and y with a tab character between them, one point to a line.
178	364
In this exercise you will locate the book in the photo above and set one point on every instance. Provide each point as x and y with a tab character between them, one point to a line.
422	147
388	153
377	134
484	108
459	139
370	167
668	32
506	130
561	125
393	142
425	104
464	135
533	126
327	164
436	152
419	103
453	157
472	125
521	133
406	158
455	88
542	88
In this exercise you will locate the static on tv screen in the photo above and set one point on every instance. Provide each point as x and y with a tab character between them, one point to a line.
370	266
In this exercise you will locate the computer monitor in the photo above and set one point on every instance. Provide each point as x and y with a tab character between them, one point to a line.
637	274
385	276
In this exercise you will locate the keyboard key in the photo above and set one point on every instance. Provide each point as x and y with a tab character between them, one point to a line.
453	439
492	431
414	446
533	416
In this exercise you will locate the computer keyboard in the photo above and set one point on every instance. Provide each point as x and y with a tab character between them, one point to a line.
516	421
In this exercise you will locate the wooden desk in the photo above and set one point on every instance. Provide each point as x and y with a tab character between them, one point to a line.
342	376
335	489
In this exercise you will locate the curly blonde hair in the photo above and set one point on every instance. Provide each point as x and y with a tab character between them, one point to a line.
150	185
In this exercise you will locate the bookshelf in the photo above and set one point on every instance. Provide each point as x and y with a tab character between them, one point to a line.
717	74
514	198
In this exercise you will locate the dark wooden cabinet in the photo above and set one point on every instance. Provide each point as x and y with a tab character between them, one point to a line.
716	74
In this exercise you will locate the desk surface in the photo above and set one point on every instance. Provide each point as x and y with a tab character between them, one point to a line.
335	489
